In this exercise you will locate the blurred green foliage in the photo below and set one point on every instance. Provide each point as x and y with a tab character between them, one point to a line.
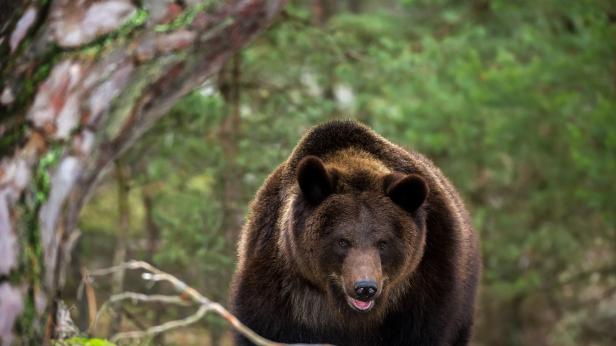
83	342
514	100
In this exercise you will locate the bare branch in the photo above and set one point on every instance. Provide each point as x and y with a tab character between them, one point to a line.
140	297
205	305
163	327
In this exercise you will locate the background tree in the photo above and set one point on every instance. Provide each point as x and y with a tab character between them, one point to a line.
80	83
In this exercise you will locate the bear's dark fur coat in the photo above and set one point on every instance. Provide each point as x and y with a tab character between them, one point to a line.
348	205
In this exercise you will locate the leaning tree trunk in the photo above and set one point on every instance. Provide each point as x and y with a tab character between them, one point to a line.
80	81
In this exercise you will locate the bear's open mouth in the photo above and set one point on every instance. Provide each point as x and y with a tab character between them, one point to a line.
360	305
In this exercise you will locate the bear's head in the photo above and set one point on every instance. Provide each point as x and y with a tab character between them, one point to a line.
359	232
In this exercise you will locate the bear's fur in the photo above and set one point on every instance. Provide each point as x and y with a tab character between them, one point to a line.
347	210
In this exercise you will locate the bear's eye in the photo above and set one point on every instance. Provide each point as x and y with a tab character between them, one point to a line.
343	243
382	245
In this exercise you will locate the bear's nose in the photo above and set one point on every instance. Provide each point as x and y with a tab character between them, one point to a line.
365	289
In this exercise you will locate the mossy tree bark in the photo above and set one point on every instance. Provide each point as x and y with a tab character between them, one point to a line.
79	83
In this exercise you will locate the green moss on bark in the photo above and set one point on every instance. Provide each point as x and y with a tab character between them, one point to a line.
32	261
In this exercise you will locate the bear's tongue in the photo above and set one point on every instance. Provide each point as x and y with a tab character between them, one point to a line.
362	305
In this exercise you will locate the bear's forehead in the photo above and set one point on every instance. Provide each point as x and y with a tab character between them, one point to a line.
359	210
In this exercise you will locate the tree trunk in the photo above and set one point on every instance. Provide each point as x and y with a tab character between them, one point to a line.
79	83
152	231
229	86
119	256
150	227
322	11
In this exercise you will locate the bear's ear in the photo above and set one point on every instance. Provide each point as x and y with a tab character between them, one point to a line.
408	191
314	180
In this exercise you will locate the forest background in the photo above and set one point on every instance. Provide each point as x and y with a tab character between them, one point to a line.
514	100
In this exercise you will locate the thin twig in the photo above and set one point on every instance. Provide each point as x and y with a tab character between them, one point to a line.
155	274
133	318
163	327
140	297
205	305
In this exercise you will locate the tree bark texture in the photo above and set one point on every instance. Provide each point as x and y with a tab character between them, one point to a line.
80	81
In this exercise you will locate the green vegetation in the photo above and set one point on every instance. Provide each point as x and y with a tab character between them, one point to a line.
515	101
83	342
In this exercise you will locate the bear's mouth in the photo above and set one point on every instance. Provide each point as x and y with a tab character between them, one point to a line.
360	305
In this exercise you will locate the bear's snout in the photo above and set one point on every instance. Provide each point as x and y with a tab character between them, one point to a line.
362	278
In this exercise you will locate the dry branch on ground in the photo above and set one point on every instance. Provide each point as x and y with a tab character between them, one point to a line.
186	296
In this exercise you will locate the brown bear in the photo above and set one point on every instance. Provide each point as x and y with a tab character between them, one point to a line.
354	240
